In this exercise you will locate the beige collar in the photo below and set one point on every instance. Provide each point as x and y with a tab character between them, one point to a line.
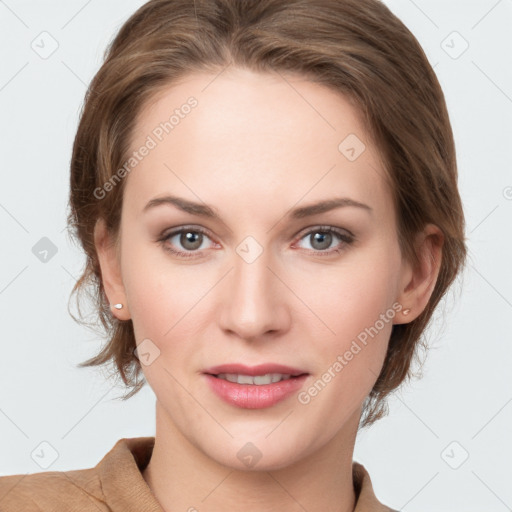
133	455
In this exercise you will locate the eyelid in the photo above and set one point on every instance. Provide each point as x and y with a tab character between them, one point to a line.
344	235
324	227
347	239
207	232
166	234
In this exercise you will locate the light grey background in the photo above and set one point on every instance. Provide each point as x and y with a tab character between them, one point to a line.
462	406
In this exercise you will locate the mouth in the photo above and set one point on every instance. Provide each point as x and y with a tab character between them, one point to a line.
266	373
256	387
258	380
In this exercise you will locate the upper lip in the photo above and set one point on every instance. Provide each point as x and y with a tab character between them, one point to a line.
261	369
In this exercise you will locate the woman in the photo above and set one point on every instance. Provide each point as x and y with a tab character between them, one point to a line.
266	193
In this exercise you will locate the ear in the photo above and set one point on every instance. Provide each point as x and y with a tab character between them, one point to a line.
109	261
418	282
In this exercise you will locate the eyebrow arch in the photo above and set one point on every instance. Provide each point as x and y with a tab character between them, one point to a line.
204	210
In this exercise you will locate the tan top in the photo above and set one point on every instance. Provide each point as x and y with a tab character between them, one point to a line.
116	484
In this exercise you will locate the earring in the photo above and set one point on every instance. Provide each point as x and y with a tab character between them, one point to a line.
117	306
406	311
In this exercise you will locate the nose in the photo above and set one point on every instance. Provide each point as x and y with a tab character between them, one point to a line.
254	304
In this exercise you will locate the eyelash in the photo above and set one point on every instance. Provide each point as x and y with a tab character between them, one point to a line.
347	240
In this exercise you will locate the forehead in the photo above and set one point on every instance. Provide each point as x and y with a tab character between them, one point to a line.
246	134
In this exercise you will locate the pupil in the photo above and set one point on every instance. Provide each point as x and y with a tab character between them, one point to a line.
189	239
322	237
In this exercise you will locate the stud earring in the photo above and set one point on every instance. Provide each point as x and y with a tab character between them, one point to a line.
406	311
117	306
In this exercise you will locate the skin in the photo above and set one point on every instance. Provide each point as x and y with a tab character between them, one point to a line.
256	146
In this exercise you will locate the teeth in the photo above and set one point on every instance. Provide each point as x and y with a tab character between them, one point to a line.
249	379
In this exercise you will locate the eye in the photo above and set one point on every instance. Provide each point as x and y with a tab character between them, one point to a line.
190	238
322	237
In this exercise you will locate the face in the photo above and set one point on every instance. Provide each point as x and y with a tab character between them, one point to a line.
256	283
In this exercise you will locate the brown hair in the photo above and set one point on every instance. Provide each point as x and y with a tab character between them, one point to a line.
357	47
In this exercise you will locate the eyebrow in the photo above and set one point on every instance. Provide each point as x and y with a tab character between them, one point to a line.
203	210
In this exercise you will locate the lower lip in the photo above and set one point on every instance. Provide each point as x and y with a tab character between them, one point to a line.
252	396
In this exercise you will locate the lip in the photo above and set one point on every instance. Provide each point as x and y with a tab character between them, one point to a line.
252	396
261	369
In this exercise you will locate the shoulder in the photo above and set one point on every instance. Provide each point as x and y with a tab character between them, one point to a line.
52	491
115	479
366	498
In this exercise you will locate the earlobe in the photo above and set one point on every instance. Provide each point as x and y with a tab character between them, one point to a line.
110	271
422	278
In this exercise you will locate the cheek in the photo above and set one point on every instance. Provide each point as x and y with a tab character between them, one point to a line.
157	291
351	297
351	359
356	305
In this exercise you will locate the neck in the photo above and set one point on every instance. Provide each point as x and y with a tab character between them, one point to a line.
182	477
